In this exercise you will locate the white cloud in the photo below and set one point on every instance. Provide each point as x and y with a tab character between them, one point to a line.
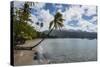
18	4
38	6
76	12
83	25
34	18
94	20
47	18
91	10
68	27
87	26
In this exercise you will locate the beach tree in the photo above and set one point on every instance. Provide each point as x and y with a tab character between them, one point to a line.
21	22
55	24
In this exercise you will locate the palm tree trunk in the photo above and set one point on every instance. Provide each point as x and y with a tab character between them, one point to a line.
42	39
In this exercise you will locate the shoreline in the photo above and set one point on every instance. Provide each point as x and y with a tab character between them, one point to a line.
26	57
76	53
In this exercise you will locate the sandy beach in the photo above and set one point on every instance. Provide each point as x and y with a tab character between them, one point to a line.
26	57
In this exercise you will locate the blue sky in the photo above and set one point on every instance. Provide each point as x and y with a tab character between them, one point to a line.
77	17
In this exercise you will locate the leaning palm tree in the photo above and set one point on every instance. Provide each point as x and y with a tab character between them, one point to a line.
57	23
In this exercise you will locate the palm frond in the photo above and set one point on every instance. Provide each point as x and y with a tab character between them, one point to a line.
57	22
50	25
30	20
55	25
61	19
60	24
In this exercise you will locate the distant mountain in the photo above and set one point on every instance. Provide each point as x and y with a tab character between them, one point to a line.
70	34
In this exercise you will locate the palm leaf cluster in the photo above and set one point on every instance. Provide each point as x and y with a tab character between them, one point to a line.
57	23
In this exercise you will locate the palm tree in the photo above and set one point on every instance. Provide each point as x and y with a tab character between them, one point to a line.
25	12
57	23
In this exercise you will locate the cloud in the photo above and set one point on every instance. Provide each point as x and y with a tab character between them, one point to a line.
83	25
94	20
38	6
18	4
34	18
47	18
76	12
87	26
89	10
68	27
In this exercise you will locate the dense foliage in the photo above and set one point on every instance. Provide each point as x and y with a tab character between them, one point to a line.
22	28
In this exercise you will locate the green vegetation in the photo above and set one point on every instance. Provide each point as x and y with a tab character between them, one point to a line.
22	29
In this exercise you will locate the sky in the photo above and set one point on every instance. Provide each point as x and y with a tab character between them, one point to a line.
77	17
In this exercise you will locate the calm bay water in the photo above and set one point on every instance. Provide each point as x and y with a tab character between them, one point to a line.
68	50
